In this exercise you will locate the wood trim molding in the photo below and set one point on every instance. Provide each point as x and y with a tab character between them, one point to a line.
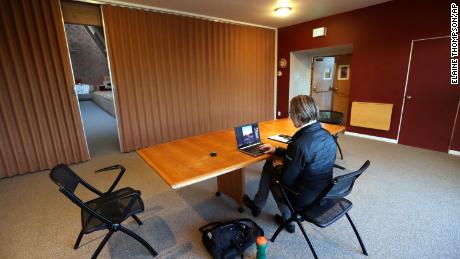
359	135
454	152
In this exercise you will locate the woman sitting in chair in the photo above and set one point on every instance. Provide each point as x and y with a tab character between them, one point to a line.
305	166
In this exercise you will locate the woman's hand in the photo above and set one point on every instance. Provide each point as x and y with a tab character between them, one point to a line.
267	148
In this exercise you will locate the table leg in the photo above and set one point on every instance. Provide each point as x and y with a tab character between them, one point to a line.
232	184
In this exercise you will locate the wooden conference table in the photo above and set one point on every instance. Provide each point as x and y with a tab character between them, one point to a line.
187	161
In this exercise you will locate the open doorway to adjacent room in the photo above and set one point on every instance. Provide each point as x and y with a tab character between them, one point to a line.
93	86
325	74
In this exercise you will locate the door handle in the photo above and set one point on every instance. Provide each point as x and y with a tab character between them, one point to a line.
408	97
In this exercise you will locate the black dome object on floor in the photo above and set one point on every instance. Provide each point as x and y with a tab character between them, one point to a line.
107	211
225	240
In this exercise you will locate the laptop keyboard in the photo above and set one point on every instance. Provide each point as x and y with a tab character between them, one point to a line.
253	150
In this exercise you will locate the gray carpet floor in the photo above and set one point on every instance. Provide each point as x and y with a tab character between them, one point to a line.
100	130
406	205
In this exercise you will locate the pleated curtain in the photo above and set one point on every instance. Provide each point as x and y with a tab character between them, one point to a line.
177	76
40	125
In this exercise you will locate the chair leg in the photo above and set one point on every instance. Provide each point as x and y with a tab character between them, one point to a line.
139	222
139	239
306	238
340	151
338	146
357	234
77	244
102	244
280	228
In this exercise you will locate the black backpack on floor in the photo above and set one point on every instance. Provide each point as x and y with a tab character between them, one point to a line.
228	240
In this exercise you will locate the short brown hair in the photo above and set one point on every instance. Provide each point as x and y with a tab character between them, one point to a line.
303	109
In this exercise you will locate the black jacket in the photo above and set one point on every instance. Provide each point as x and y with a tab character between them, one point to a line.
308	163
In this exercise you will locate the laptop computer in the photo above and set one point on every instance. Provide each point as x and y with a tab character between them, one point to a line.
248	139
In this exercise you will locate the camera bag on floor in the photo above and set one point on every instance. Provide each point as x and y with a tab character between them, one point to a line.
227	240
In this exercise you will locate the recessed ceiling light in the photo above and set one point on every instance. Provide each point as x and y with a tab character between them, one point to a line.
283	11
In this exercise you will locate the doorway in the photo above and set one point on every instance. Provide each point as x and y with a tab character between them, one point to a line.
430	104
331	82
332	92
93	87
322	70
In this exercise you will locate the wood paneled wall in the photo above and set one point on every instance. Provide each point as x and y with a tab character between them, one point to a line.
177	76
39	122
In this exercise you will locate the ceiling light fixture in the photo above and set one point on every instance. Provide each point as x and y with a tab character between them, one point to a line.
283	11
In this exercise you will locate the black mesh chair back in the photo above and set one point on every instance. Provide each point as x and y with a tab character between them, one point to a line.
107	211
327	208
331	117
342	185
64	177
68	181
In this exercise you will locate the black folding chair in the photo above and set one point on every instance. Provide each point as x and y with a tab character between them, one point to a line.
332	117
327	208
107	211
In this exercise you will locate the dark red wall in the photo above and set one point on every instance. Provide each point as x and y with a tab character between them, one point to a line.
381	36
455	144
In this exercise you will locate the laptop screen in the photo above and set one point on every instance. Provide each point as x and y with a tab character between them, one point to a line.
247	135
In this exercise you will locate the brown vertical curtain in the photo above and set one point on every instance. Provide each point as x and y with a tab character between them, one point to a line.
40	125
177	76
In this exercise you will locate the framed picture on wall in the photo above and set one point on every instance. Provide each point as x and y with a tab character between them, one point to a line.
344	72
327	75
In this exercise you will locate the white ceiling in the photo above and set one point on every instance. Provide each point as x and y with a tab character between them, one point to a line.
259	12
